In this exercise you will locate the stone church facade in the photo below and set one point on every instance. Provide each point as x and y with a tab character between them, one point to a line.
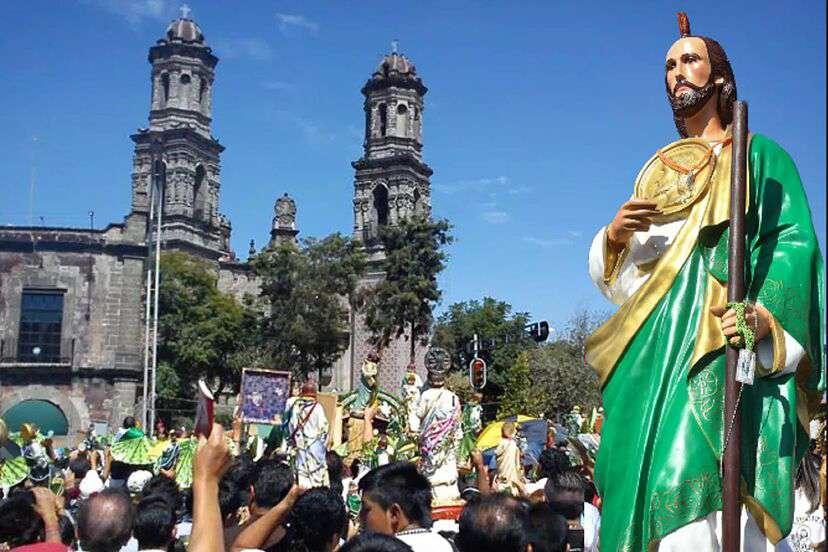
72	300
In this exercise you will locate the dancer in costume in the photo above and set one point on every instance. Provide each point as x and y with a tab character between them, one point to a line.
306	437
13	467
36	450
132	446
438	414
661	357
187	445
169	456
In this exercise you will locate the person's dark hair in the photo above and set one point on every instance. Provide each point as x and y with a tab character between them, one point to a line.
161	485
228	497
719	67
807	479
129	422
272	484
552	462
335	470
243	471
589	490
495	523
105	521
565	494
154	522
400	483
79	466
548	530
67	531
19	522
375	542
354	467
317	516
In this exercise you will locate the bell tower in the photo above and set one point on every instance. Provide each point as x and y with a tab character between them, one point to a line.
179	138
391	180
391	183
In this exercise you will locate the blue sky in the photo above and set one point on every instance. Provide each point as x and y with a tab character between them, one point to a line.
538	118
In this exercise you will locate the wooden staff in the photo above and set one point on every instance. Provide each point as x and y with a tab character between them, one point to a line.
731	478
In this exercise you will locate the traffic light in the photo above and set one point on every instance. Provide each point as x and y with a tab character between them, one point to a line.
538	331
477	373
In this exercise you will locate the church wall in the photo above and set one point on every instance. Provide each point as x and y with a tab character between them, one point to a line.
237	279
101	279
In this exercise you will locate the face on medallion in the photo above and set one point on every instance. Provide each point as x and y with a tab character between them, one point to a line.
687	76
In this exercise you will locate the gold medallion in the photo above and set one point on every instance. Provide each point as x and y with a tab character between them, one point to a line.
676	177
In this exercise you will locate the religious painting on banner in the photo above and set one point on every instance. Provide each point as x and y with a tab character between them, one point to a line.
263	395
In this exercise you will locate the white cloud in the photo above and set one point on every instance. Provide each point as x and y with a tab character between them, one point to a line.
575	233
355	133
495	217
247	47
314	133
288	21
135	11
479	184
546	243
278	86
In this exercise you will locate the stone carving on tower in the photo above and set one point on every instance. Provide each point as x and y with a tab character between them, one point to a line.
179	138
283	227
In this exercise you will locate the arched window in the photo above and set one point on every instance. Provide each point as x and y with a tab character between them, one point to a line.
45	415
383	119
381	205
165	86
201	90
200	210
416	201
402	119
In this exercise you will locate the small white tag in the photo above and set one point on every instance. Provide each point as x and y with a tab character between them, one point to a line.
746	367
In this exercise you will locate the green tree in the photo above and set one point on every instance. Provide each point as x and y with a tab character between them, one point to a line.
198	327
488	319
306	292
404	300
551	379
521	394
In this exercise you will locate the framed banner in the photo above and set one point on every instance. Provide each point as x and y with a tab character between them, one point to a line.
263	395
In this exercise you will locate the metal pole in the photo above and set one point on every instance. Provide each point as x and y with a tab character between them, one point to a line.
147	328
731	503
160	213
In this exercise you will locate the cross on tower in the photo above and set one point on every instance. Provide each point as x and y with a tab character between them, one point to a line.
395	44
185	11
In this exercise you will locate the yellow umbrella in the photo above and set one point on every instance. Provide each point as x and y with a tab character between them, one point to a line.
491	435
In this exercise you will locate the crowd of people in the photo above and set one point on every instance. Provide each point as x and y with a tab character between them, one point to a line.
218	493
227	492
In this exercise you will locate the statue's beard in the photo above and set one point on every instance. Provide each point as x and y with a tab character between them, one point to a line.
687	104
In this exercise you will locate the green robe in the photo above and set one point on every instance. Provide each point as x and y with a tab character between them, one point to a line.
658	467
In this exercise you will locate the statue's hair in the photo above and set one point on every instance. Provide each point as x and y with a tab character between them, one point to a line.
719	67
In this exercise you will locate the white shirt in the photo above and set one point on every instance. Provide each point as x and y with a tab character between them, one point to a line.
807	528
591	522
423	540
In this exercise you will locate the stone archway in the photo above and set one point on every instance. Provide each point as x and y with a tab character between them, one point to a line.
77	418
